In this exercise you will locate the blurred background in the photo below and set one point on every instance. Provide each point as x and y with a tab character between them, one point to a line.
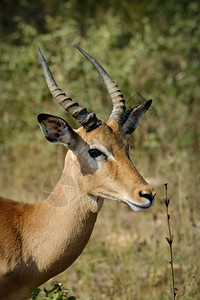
152	50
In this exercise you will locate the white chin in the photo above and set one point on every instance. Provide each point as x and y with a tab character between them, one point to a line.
140	207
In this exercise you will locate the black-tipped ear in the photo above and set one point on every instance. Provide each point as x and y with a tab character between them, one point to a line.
134	115
42	117
56	130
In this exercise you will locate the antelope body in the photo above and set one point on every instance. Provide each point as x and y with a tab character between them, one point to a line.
38	241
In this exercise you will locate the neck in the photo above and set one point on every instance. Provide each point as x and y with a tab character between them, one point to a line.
65	223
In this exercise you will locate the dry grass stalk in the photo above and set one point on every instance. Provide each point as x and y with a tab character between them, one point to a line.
170	240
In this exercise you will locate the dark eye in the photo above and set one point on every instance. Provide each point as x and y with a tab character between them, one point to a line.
95	153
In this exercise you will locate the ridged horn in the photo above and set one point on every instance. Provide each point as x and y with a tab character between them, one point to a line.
88	120
119	108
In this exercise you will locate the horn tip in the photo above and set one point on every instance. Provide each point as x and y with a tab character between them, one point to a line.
82	51
76	46
40	54
38	49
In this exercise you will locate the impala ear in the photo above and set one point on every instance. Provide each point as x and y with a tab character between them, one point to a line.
133	117
56	130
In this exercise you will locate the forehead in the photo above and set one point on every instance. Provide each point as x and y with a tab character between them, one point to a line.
108	134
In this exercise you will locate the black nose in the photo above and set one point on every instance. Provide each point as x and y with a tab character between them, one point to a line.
148	196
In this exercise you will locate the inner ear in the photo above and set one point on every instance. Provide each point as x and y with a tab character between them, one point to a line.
56	130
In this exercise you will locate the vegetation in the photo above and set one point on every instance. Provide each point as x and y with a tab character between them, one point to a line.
170	241
58	292
151	49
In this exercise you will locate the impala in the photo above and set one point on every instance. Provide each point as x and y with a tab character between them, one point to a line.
38	241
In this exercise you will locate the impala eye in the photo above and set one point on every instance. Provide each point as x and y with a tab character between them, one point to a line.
95	153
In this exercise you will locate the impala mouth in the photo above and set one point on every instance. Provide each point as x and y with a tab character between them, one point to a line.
140	207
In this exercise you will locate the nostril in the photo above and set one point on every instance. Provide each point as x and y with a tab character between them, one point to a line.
146	195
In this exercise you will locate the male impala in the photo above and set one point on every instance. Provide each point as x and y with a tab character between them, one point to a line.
38	241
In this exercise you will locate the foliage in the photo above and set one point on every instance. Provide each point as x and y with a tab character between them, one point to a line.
58	292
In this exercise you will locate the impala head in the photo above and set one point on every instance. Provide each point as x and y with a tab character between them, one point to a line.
100	149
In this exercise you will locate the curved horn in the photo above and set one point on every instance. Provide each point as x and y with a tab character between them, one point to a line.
88	120
115	93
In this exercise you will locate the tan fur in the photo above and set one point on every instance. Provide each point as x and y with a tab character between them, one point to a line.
41	240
